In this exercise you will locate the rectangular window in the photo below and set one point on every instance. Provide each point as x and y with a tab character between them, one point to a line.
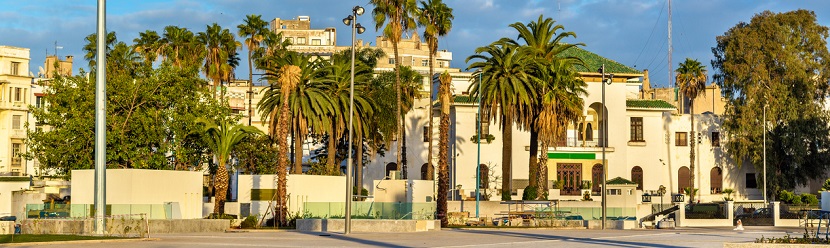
15	69
614	191
18	94
391	61
315	42
16	121
16	149
290	40
39	101
424	62
426	134
637	129
751	182
485	126
300	40
680	139
715	139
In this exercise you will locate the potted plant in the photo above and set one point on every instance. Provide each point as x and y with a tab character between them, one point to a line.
586	189
485	138
728	192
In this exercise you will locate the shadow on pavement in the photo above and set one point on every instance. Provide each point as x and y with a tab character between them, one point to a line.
604	242
340	236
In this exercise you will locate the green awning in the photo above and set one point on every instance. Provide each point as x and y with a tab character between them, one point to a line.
571	155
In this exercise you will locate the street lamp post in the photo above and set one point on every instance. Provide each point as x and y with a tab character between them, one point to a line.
351	20
604	143
100	121
478	142
765	155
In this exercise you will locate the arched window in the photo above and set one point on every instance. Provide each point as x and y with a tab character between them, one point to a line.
683	176
596	177
637	176
390	167
589	132
580	132
716	181
570	175
484	175
425	175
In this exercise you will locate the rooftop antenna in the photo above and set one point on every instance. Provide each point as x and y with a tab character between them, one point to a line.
56	48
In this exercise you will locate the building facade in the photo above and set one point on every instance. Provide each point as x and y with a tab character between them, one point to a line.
15	98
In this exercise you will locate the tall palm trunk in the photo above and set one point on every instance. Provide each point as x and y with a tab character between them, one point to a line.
221	183
398	116
298	152
287	76
430	168
358	165
542	169
404	171
692	154
250	90
443	144
332	152
533	169
506	159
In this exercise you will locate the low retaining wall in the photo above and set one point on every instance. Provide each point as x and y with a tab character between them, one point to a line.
122	226
611	224
6	227
366	225
762	245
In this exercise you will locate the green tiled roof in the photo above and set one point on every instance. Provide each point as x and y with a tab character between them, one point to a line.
464	99
620	180
652	104
594	61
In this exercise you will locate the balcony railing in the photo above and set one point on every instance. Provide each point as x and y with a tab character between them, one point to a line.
573	142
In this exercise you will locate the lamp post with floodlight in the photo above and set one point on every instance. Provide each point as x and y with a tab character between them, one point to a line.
351	20
604	126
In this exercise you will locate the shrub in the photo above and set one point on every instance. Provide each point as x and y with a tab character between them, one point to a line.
530	193
249	222
810	199
796	200
786	196
826	185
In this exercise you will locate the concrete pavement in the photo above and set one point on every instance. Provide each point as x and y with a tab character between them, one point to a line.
685	237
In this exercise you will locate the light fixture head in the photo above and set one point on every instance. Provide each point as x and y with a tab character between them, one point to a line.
360	29
358	10
348	20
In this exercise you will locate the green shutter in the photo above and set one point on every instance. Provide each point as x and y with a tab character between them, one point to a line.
262	194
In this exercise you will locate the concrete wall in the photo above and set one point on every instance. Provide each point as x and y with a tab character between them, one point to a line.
144	187
6	189
364	225
300	189
404	191
117	226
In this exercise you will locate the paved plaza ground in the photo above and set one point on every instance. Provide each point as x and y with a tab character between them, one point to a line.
524	238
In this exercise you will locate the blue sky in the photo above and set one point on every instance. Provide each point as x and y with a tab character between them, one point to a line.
632	32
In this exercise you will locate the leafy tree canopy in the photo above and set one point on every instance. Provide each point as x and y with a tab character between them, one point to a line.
777	61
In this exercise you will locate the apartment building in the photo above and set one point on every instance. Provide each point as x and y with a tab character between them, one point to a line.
15	97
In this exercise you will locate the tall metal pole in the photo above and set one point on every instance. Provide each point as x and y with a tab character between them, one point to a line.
765	154
349	182
670	50
101	120
478	141
604	125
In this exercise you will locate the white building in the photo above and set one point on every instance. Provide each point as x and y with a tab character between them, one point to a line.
15	97
648	143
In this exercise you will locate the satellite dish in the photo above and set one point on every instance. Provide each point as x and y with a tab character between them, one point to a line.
41	72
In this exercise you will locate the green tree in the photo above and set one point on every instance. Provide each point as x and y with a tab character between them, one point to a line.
506	85
220	54
223	136
148	44
691	78
254	30
436	18
400	19
781	61
92	46
180	47
256	155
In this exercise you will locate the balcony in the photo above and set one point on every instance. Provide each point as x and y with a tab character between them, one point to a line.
572	144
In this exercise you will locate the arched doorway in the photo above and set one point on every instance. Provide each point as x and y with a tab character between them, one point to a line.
596	178
390	167
484	175
716	180
589	132
637	176
425	172
683	176
571	177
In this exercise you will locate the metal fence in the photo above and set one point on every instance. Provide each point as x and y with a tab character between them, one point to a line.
370	210
150	211
706	211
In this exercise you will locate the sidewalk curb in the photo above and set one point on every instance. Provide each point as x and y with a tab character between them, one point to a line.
70	242
259	230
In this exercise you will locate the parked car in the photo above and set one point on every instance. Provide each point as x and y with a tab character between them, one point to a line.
758	213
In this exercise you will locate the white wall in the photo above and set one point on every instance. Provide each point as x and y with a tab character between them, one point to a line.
6	189
300	189
143	187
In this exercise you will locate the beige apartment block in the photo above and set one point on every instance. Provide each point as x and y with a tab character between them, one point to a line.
15	97
303	38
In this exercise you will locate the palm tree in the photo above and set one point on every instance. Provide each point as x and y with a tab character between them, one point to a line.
399	13
544	44
91	46
443	142
148	45
506	86
691	78
223	136
254	29
180	47
220	47
309	103
436	18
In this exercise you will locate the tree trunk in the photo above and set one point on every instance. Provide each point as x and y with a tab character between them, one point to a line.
282	162
430	168
298	152
533	170
221	187
358	166
443	148
542	168
692	154
506	159
332	152
399	118
404	171
250	90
